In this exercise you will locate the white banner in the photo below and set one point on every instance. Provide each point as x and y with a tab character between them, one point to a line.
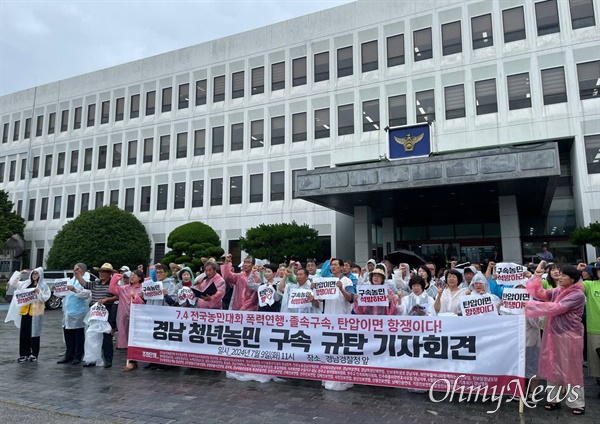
369	295
299	298
60	288
153	290
266	295
477	305
396	351
98	312
325	288
510	274
185	294
513	301
25	296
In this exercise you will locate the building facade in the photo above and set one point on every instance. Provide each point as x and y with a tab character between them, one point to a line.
287	122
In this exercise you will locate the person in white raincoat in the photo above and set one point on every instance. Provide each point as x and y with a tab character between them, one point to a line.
29	318
418	302
401	277
479	285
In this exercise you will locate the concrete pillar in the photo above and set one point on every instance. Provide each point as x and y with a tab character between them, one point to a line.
363	241
389	235
510	230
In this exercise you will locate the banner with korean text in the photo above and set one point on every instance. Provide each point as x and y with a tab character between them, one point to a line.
396	351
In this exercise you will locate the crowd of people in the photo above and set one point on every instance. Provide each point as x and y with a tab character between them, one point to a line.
555	323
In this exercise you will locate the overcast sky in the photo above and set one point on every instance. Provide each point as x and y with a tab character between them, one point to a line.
46	41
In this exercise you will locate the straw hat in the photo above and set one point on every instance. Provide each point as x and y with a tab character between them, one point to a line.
105	267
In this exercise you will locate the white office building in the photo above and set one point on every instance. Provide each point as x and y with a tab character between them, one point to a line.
286	122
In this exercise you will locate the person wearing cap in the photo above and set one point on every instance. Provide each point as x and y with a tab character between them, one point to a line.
174	271
243	298
448	299
418	302
377	278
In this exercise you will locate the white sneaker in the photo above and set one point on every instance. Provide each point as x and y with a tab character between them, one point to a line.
32	358
22	359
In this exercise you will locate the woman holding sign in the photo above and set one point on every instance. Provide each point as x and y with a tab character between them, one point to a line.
27	311
377	278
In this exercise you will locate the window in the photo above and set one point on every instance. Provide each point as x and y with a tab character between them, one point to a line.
85	202
235	190
592	153
35	172
167	99
64	120
257	133
395	50
148	147
277	130
77	118
397	110
16	130
258	80
256	188
51	122
546	17
134	109
181	145
57	206
99	199
105	112
2	166
553	85
588	75
70	206
513	24
485	96
120	109
179	196
451	38
237	136
277	185
322	123
23	169
116	155
370	114
132	152
197	194
454	97
31	211
321	66
299	71
200	92
91	115
519	95
39	127
12	170
216	192
481	31
582	13
199	142
102	156
369	56
237	85
159	252
19	207
74	160
48	166
114	197
60	166
27	128
299	127
218	139
5	133
277	76
165	147
87	159
344	62
129	199
425	106
145	199
44	209
184	96
346	119
423	47
161	197
219	89
150	102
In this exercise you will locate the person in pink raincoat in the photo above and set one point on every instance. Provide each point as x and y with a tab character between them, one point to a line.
244	298
216	300
377	278
127	295
561	353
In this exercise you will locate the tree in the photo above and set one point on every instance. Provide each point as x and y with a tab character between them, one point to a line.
107	234
278	242
10	222
587	235
190	242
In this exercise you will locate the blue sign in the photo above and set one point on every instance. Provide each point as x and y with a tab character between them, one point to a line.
409	142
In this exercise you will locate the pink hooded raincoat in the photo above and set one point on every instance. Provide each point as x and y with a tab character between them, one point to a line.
125	301
244	298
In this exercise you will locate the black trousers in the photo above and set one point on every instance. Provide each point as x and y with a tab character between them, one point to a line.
74	340
107	347
28	345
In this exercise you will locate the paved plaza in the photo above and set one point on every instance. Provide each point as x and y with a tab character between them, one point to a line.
47	392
